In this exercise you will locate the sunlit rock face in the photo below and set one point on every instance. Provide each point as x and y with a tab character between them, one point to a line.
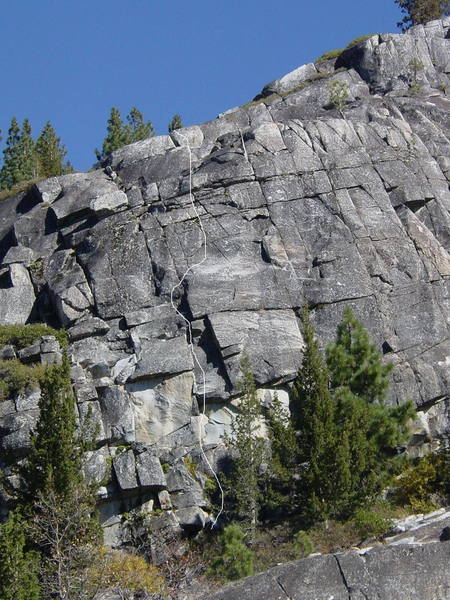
300	202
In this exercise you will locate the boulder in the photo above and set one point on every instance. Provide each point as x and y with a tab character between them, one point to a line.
16	295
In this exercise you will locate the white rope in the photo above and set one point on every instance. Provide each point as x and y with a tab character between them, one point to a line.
189	326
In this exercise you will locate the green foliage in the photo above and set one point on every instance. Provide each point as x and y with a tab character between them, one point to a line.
425	484
421	11
18	566
51	153
250	450
314	418
369	523
283	457
25	160
54	461
347	438
303	544
235	559
113	569
21	336
10	173
329	55
175	123
15	377
338	94
120	134
356	363
190	465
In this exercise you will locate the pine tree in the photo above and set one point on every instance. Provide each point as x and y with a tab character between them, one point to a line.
120	134
115	135
51	153
28	164
137	129
353	361
175	123
370	430
314	418
54	461
58	502
283	463
18	566
250	450
421	11
235	559
10	172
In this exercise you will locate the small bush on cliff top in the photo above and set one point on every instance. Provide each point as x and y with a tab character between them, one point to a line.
21	336
15	377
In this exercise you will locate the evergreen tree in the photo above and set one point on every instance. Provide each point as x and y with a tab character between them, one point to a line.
10	172
28	164
115	135
175	123
120	134
18	566
369	431
54	461
235	559
353	361
137	129
51	153
250	451
314	418
58	502
421	11
283	462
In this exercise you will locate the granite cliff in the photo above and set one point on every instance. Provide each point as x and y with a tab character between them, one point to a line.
300	202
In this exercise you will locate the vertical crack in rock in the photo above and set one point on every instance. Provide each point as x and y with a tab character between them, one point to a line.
344	580
277	579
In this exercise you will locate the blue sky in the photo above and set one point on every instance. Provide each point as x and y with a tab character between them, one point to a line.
70	62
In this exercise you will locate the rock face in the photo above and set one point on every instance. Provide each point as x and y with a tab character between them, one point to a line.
297	202
384	573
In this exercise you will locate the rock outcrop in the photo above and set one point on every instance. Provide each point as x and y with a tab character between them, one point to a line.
383	573
299	202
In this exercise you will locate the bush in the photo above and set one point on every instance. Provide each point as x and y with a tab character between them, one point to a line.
16	377
21	336
303	544
425	484
370	524
235	559
338	94
126	572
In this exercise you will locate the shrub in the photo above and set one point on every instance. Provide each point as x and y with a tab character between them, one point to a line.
338	94
126	572
235	559
16	377
425	484
190	465
21	336
370	524
303	544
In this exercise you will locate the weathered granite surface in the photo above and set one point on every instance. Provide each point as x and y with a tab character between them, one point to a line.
299	203
404	572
